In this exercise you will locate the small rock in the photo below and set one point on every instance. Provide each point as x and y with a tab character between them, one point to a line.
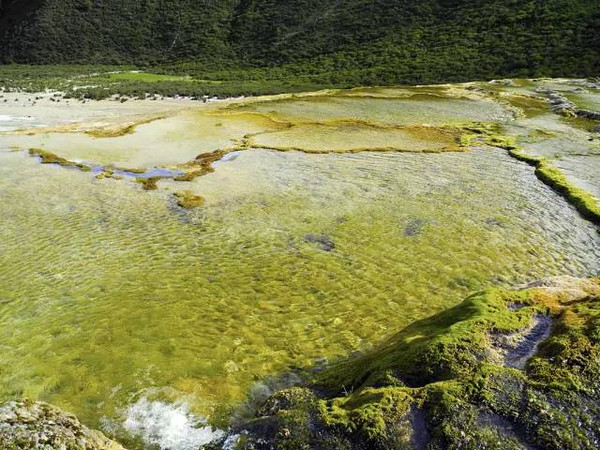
35	425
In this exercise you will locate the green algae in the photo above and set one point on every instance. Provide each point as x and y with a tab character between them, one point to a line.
142	315
357	136
102	325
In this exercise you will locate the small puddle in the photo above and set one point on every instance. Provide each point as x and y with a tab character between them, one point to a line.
515	349
518	356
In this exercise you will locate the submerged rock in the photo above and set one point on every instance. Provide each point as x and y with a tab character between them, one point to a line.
559	103
30	425
322	241
414	227
591	115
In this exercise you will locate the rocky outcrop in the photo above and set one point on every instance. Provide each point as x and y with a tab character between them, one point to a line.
585	114
26	425
502	370
559	104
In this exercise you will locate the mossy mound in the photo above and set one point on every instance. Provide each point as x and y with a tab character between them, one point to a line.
29	425
187	200
449	382
149	184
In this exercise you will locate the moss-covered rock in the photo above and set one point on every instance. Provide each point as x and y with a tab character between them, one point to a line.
150	183
27	425
438	384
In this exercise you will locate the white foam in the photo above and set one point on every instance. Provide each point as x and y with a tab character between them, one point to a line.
170	426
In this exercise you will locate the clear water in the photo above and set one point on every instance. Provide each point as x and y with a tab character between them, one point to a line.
127	310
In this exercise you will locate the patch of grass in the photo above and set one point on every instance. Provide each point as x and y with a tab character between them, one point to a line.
147	77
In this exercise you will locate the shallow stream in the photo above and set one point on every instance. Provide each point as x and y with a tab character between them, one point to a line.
112	298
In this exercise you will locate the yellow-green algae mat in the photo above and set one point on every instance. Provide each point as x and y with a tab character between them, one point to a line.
111	296
504	369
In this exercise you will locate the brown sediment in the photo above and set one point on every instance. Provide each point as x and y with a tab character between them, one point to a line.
359	150
131	170
236	110
122	129
200	166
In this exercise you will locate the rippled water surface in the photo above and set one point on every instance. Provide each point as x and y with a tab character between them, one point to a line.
112	297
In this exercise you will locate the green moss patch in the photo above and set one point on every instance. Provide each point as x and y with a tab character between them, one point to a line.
585	202
437	379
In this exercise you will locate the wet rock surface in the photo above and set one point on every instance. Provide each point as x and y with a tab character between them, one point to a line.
515	349
561	105
34	425
591	115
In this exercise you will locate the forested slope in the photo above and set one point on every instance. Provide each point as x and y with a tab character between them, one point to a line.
374	41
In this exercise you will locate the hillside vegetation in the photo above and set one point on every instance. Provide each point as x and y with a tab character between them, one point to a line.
324	42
